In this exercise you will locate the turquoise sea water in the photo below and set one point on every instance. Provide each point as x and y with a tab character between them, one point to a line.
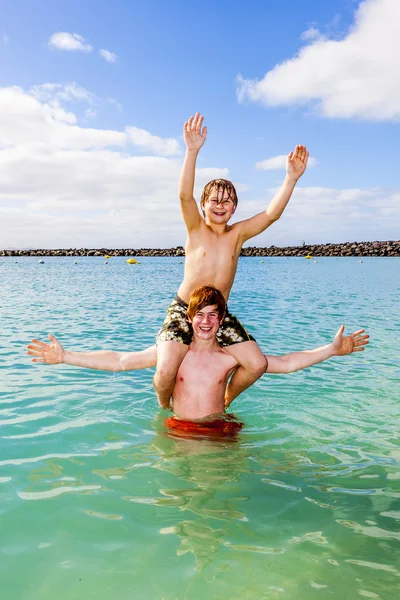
96	501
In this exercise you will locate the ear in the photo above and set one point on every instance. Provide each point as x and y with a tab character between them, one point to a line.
188	318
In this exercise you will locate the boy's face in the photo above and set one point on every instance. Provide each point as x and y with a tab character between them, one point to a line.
206	322
219	207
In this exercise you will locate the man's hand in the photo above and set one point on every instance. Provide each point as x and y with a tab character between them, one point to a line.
297	162
194	136
51	354
347	344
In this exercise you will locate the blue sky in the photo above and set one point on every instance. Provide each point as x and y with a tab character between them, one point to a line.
93	96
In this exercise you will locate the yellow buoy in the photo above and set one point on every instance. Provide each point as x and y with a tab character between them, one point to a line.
308	256
107	256
132	261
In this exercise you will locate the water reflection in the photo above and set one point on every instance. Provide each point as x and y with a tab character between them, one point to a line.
209	472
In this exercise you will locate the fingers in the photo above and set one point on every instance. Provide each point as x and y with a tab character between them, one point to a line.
301	153
194	123
39	343
34	352
204	134
358	332
360	338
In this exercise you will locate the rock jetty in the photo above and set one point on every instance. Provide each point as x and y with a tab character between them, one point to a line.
389	248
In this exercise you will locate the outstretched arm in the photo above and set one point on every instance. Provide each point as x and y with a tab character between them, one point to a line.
341	346
105	360
295	166
194	137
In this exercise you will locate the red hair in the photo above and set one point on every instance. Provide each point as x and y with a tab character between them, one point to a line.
206	296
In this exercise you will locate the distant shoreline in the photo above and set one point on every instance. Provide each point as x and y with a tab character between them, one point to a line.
387	248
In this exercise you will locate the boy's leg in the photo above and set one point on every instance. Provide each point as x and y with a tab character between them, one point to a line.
253	364
170	354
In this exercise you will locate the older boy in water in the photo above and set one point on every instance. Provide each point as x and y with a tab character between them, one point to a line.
212	252
202	377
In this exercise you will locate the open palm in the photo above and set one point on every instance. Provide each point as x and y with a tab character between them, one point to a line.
297	162
51	354
349	343
193	134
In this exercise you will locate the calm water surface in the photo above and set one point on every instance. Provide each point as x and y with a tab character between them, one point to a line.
96	501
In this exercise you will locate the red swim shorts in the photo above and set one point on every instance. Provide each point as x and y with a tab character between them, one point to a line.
223	426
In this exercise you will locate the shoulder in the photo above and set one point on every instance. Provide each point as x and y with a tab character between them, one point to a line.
227	358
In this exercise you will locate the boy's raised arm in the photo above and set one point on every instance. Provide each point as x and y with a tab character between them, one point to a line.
295	166
194	137
341	346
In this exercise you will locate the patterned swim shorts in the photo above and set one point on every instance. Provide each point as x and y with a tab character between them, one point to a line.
177	327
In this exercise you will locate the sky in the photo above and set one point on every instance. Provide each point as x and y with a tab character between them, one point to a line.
94	94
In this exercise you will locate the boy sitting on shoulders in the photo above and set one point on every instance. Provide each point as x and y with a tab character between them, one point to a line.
212	253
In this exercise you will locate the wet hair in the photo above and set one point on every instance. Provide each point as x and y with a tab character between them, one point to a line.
222	185
206	296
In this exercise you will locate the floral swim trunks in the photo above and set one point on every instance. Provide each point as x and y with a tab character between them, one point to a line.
177	328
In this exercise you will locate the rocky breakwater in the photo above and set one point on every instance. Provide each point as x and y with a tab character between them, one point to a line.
389	248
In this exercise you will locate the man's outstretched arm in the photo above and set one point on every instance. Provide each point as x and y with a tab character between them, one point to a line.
295	166
341	346
194	137
104	360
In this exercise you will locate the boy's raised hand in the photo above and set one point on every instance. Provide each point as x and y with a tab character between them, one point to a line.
347	344
51	354
193	134
297	162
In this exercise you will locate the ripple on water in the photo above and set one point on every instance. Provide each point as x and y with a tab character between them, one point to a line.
93	492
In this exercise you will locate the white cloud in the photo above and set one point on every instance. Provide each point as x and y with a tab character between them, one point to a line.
310	34
144	139
69	41
279	162
110	57
63	185
117	104
355	77
322	215
62	92
90	113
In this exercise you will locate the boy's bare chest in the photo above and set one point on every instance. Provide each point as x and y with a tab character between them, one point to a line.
206	239
205	370
222	249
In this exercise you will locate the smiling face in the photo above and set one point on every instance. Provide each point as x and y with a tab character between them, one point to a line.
206	322
219	207
218	201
